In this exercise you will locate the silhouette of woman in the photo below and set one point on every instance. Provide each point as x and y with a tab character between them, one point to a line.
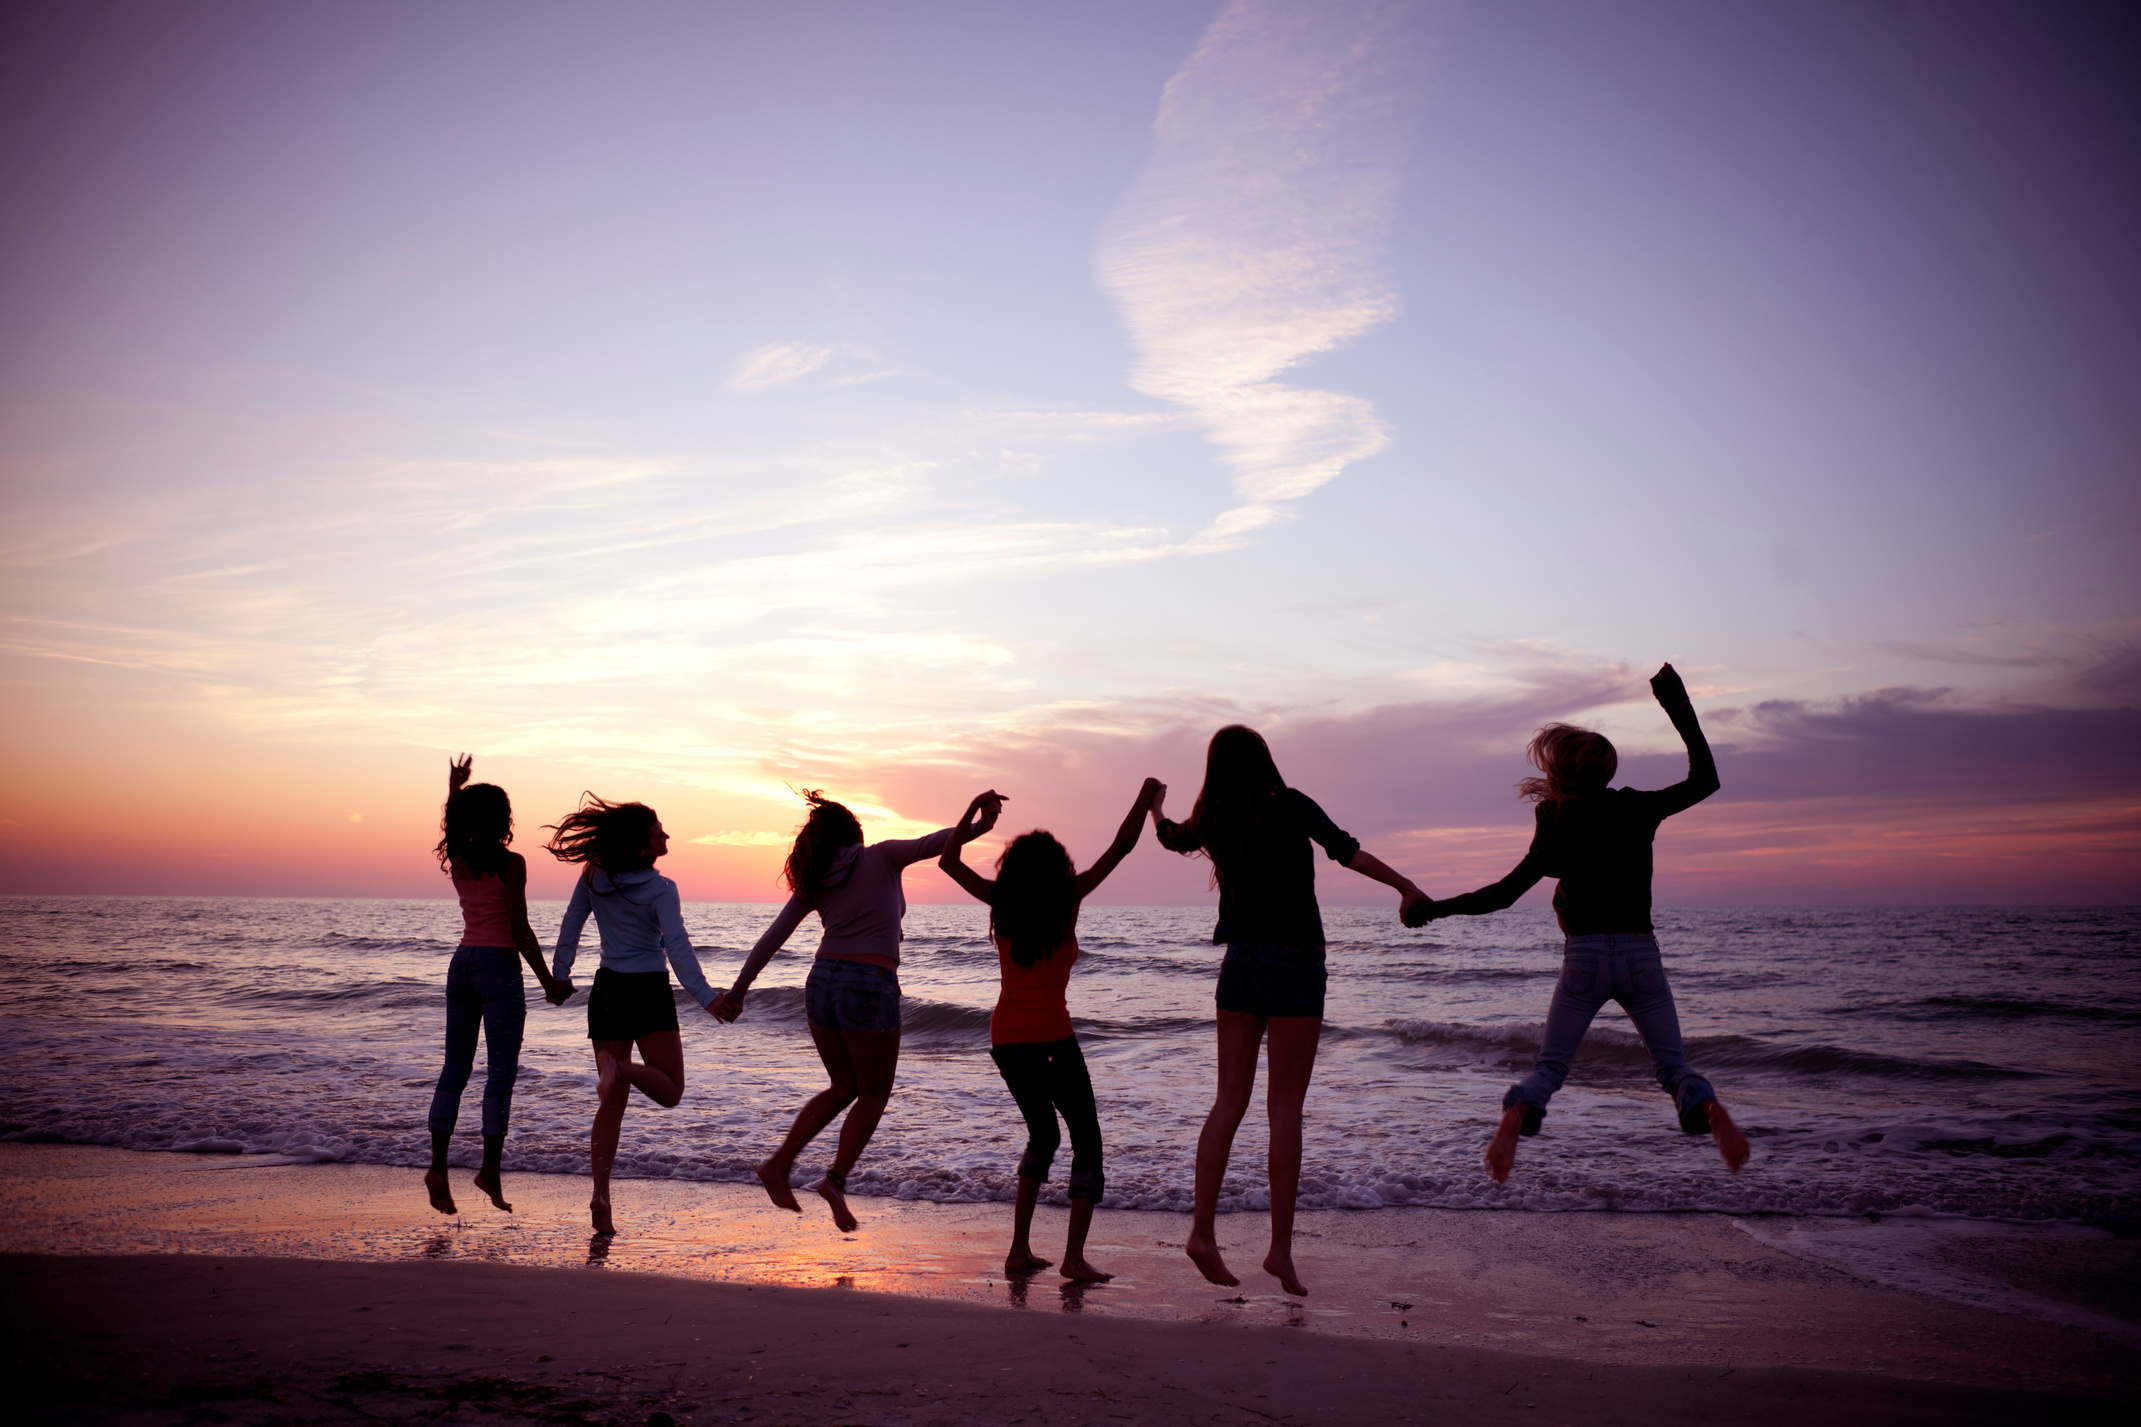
483	985
852	996
1033	919
641	920
1257	831
1597	841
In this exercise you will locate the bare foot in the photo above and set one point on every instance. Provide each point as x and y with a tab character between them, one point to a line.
1024	1261
830	1193
441	1196
1281	1267
488	1181
1501	1156
599	1211
1730	1142
1079	1271
776	1182
1203	1251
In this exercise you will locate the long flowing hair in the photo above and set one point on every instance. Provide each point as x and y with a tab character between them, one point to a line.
828	828
474	831
1036	897
1240	779
1576	762
600	833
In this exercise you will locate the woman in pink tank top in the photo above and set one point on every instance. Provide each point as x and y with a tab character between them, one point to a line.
483	985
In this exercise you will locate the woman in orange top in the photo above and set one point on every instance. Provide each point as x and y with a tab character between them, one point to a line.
1033	918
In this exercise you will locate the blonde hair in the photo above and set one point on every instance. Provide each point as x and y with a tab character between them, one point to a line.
1575	761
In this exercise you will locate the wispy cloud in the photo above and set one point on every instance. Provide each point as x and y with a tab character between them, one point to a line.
1253	239
777	363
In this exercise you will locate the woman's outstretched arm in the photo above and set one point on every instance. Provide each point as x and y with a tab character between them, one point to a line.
515	877
976	820
1367	864
568	948
1701	781
1125	837
729	1004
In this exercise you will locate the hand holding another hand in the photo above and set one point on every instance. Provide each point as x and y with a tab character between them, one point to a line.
557	993
727	1006
1666	687
1417	910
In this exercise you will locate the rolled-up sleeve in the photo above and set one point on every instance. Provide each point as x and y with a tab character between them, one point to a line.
1176	837
1337	844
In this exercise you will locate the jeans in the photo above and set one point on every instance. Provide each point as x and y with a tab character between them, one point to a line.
483	986
1046	1077
843	995
1627	969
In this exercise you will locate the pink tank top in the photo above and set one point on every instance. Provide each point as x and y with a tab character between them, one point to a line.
483	912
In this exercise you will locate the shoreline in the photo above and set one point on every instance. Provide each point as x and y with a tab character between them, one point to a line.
1625	1292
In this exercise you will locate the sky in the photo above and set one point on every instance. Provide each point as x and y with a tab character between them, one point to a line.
693	403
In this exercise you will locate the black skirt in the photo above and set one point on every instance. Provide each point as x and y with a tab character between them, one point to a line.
625	1005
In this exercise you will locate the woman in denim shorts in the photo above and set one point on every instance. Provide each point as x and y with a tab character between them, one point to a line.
852	996
1257	832
1596	839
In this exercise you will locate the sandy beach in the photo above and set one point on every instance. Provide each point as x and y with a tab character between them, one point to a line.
332	1293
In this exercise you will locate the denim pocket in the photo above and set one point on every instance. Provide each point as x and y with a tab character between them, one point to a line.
1649	980
1579	975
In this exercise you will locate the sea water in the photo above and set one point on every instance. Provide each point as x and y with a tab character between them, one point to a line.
1968	1062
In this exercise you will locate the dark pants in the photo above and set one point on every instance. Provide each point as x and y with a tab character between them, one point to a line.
1047	1077
483	987
1627	969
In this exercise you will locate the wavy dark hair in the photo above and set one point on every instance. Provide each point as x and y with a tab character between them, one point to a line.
474	831
829	828
1036	897
1576	762
1240	779
600	833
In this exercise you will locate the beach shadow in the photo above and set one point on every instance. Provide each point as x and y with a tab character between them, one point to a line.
598	1251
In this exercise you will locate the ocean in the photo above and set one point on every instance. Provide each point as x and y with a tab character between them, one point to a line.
1975	1063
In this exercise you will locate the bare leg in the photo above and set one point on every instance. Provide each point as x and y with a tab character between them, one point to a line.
1074	1264
1022	1259
435	1177
660	1078
1730	1142
816	1114
1501	1156
489	1179
1239	1036
876	1058
1293	1059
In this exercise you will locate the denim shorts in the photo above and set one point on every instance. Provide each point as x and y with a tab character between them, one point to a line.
843	995
1263	978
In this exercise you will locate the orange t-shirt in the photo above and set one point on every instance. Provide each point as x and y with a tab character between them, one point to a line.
1033	1004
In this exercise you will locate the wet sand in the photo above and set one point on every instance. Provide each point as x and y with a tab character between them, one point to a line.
249	1289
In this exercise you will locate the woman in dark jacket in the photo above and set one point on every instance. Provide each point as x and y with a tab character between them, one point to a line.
1596	840
1257	832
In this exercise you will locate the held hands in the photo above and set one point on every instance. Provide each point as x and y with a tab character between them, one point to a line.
1417	909
557	993
458	771
727	1006
981	815
1150	795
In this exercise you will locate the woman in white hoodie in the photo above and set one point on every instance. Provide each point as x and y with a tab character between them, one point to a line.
852	996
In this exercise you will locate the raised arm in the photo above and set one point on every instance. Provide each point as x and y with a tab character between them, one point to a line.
1701	781
729	1004
979	817
1174	836
1148	798
458	771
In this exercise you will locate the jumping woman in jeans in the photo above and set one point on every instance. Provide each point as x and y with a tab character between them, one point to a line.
1597	839
1257	832
1033	919
483	985
641	919
852	996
